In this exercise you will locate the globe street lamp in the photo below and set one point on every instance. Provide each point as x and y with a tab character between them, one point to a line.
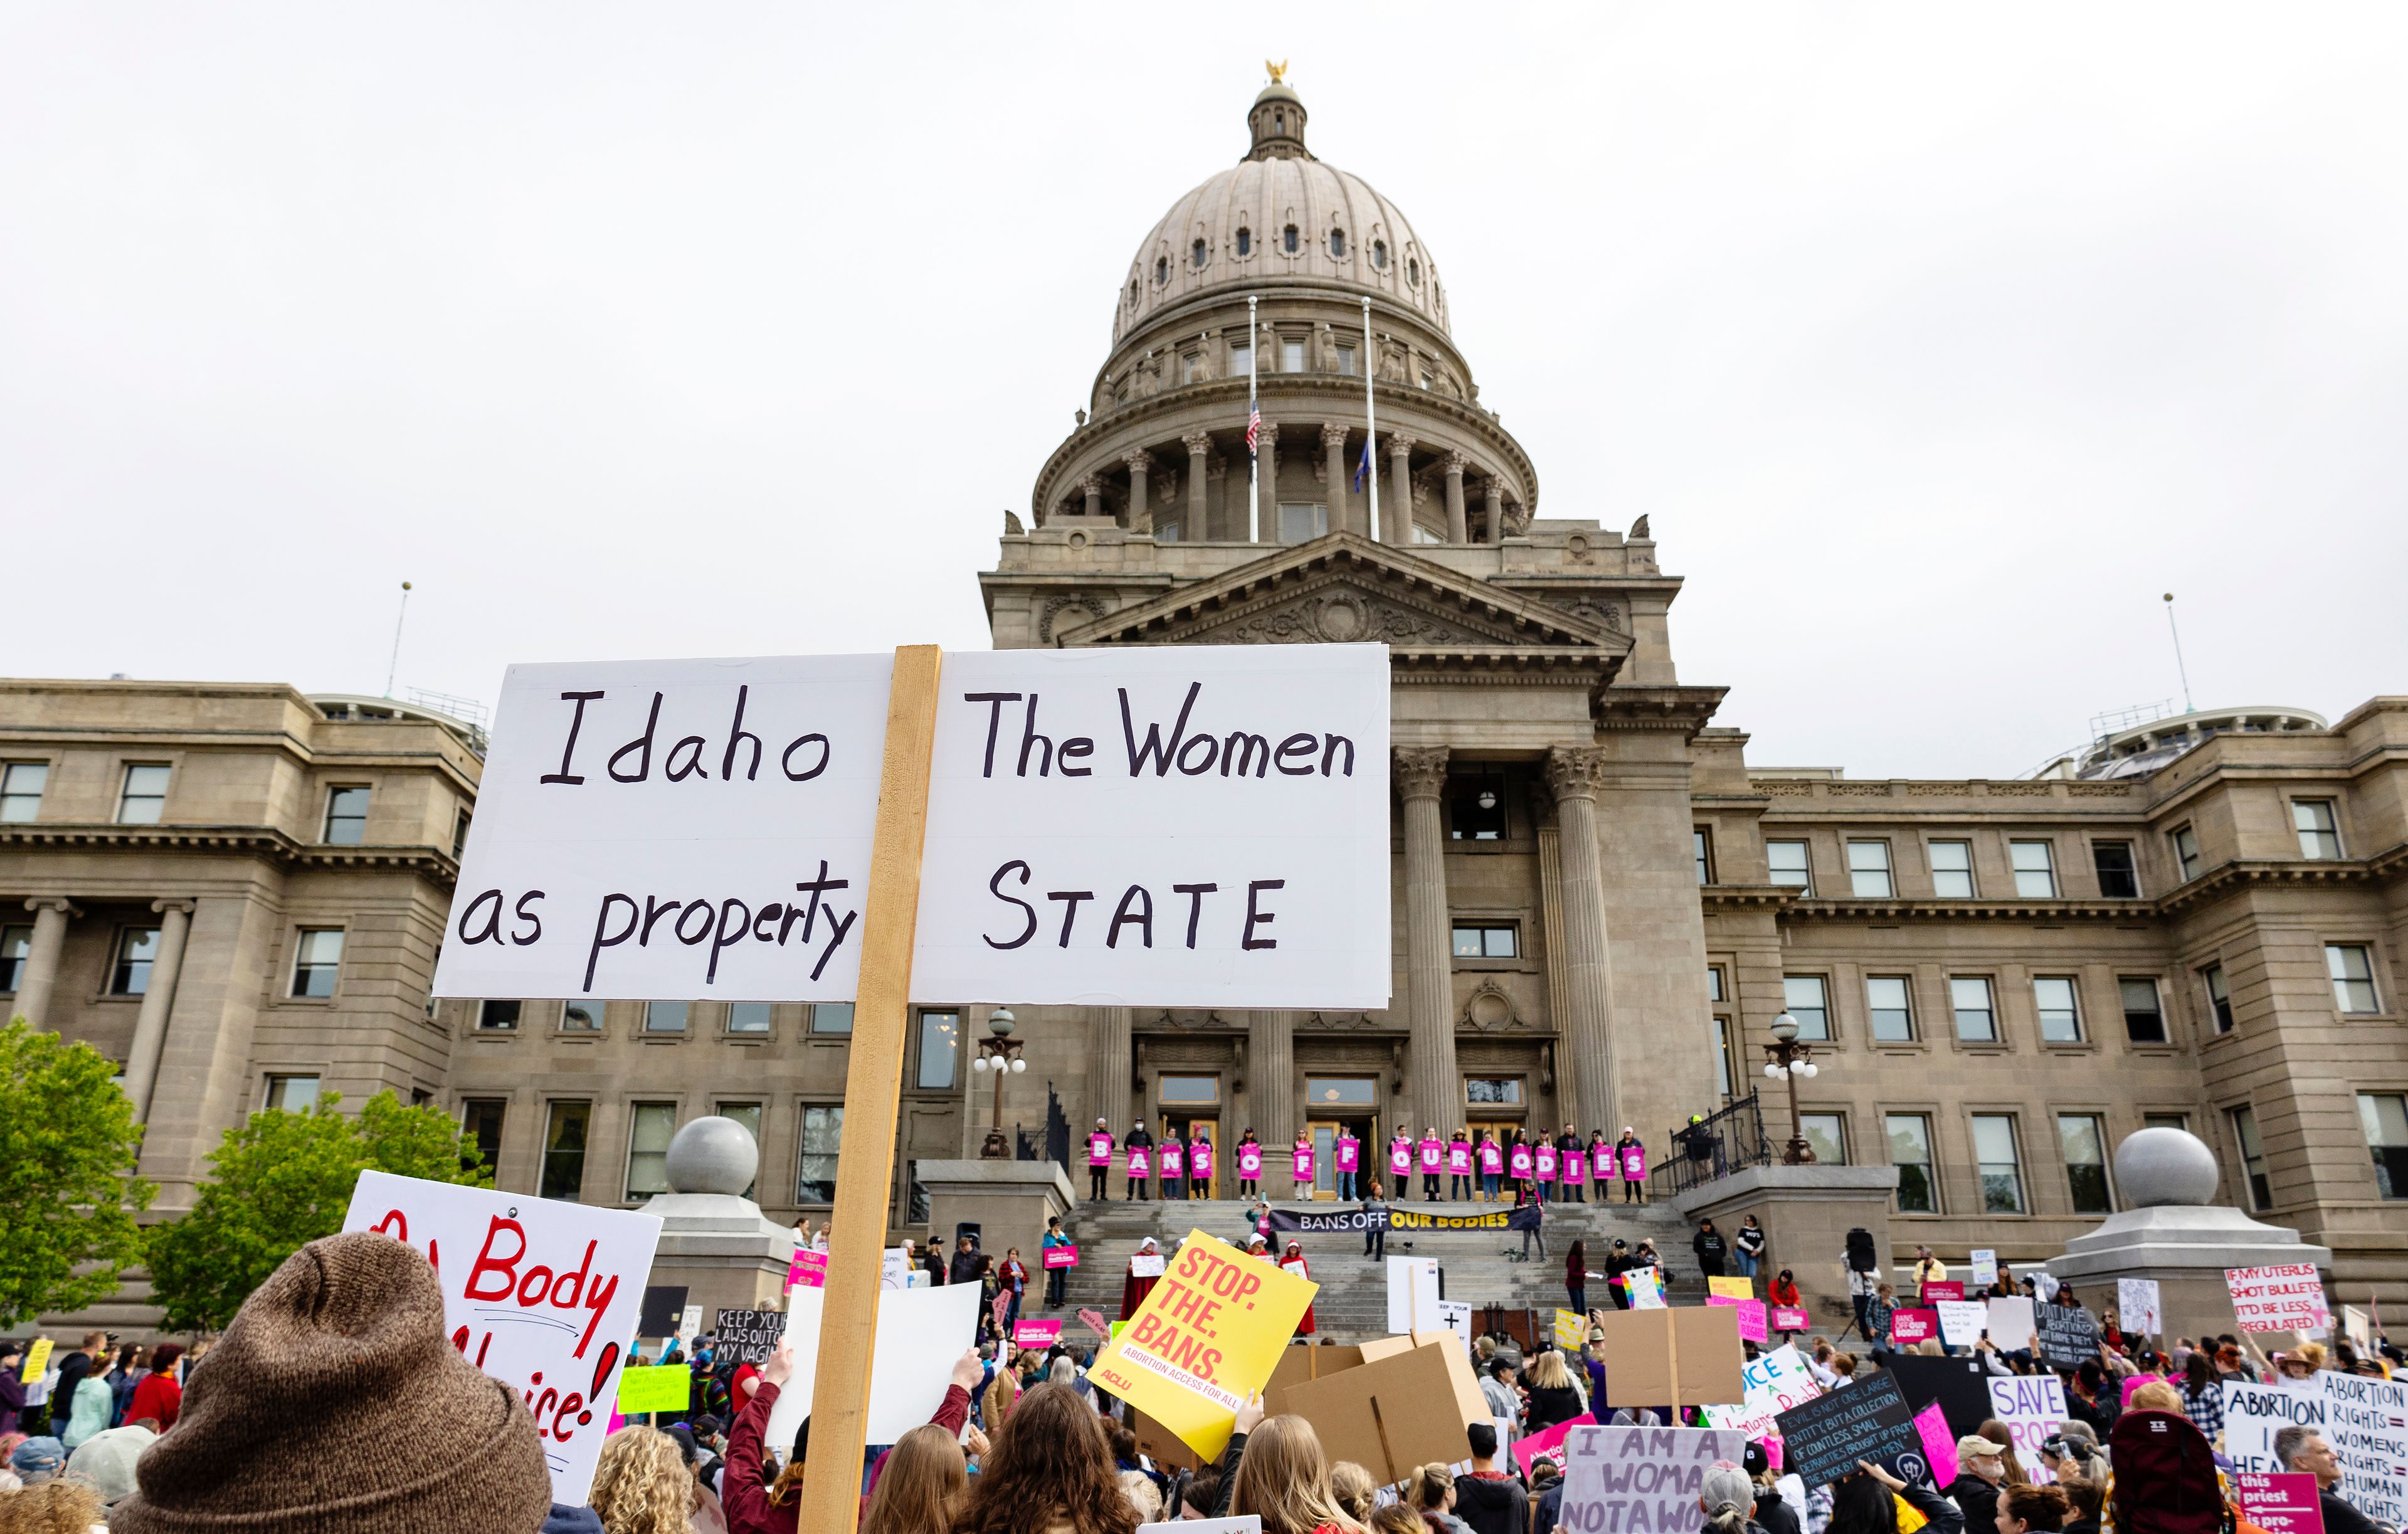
1000	1055
1787	1058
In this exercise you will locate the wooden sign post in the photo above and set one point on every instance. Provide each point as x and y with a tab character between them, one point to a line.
873	1089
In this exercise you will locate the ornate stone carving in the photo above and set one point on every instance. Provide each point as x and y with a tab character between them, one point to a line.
1055	606
1401	442
1489	1009
1605	615
1575	771
1197	442
1333	433
1420	771
1169	492
1639	529
1517	519
1217	467
1138	460
1011	527
1346	617
1453	462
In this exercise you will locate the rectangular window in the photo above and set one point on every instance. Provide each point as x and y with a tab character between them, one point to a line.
1345	360
1291	355
2144	1017
317	954
1199	1091
583	1015
16	948
1909	1152
648	1149
144	797
2085	1162
2187	854
1994	1154
1803	998
832	1017
1702	848
665	1016
2118	878
1475	808
2384	1116
498	1016
940	1040
1493	1089
2220	1000
481	1122
2253	1158
1869	870
1725	1071
292	1093
20	790
1191	366
1241	359
2319	830
2035	870
1486	942
1951	870
460	833
1714	983
815	1169
749	1017
1165	532
137	947
2353	976
2166	1121
1893	1012
2060	1015
1301	522
1788	862
1977	1019
1826	1135
564	1151
347	816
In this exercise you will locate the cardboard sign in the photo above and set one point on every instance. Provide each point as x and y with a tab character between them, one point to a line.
894	1269
1688	1357
1147	1265
2281	1503
809	1270
1303	1361
1100	1150
1036	1334
37	1361
1634	1164
1959	1386
1394	1412
539	1294
1733	1288
1258	779
1908	1328
1571	1330
1207	1337
920	1332
1775	1382
2136	1306
1250	1163
1413	1295
668	1387
2289	1297
2032	1406
663	1307
1822	1440
1159	1444
2365	1420
1937	1290
1939	1444
1985	1266
1639	1478
1547	1446
2065	1337
1791	1318
1301	1163
2010	1322
1061	1256
1751	1313
1963	1321
748	1337
1349	1154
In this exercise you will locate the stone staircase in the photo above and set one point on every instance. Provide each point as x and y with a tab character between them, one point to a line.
1480	1266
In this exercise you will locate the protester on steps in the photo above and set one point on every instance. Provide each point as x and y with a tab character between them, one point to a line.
1459	1166
1633	1188
1100	1172
1576	1278
1135	1287
1487	1499
1049	1471
1489	1157
1375	1222
1535	1229
1293	1261
1433	1158
1248	1188
1747	1247
1618	1263
1139	1150
1710	1248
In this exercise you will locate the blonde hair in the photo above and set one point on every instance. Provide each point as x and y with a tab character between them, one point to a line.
642	1486
1547	1372
1428	1487
54	1507
920	1485
1928	1348
1397	1518
1351	1483
1284	1478
1138	1487
2155	1395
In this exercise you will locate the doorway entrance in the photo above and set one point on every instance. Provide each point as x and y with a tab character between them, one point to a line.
1336	1105
1189	1104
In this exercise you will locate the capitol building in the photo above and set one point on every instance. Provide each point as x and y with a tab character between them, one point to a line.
1601	904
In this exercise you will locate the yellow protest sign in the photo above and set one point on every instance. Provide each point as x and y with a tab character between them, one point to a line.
37	1361
1571	1330
668	1388
1731	1289
1208	1336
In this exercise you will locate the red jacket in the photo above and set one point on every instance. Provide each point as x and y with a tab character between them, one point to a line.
156	1396
744	1494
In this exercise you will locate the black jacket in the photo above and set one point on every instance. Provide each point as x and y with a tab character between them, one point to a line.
1137	1139
1710	1248
1977	1498
2342	1518
965	1267
1493	1507
1550	1406
1772	1514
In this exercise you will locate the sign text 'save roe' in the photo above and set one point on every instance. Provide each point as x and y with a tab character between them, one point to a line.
1181	827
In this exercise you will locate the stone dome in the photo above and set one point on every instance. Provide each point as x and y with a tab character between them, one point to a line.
1279	217
2165	1166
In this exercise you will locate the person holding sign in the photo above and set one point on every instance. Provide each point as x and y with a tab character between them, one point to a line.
1346	1159
1199	1165
1099	1161
1145	1268
1492	1166
1174	1165
1601	1165
1517	1159
1300	1157
1055	1278
1575	1167
1458	1166
1400	1162
1250	1166
1139	1149
1543	1165
1292	1260
1631	1156
1433	1156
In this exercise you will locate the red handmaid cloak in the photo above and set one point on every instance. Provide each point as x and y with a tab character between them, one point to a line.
1302	1269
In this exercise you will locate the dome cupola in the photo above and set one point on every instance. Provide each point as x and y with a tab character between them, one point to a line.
1277	120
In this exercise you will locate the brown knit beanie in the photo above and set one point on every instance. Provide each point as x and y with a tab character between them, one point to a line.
335	1404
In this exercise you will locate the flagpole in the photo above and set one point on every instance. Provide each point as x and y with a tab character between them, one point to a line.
1253	453
1370	430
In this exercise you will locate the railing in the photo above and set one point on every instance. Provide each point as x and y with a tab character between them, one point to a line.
1713	1147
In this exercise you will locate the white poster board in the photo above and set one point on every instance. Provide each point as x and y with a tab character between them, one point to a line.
1985	1266
1413	1295
2136	1306
2032	1406
920	1334
894	1269
1457	1316
1774	1382
1962	1322
1179	825
1150	1266
2287	1297
2364	1420
2010	1324
542	1295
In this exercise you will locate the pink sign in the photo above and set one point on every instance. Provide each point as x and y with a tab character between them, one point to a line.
1174	1160
1548	1445
1519	1160
1790	1318
1458	1157
1061	1256
1100	1150
1936	1290
1137	1164
1037	1334
1093	1321
1575	1166
1543	1161
1908	1328
1492	1160
1751	1315
1432	1151
1250	1162
1400	1158
2290	1297
1349	1152
2135	1381
1199	1160
1301	1163
809	1270
1939	1443
1634	1163
2281	1504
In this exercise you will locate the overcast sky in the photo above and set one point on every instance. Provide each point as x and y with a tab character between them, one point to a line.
1937	346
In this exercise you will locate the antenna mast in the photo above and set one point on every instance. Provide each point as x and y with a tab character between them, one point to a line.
393	669
2180	669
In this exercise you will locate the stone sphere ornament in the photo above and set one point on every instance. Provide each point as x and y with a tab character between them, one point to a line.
2165	1166
714	1155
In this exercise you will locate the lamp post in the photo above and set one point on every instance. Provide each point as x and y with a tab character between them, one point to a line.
1785	1057
999	1054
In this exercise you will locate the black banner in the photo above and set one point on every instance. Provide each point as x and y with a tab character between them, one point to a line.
1339	1221
748	1337
1960	1384
1823	1439
664	1307
2064	1337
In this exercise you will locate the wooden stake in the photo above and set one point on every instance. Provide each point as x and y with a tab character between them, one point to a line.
873	1086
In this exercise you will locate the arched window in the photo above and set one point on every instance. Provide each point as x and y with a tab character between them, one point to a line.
1291	240
1162	269
1196	255
1338	244
1279	122
1380	254
1132	291
1413	273
1245	240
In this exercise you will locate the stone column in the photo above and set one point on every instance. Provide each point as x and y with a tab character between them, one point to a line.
1333	444
1267	471
1270	1082
1094	487
1399	530
1496	511
1575	774
1429	941
1458	529
41	972
1141	510
150	1024
1112	1093
1198	445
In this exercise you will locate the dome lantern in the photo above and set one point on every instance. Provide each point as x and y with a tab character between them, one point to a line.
1277	120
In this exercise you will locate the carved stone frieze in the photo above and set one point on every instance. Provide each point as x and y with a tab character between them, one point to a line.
1575	771
1489	1008
1055	606
1420	771
1344	616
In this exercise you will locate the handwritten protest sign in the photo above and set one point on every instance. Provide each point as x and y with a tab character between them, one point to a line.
2281	1503
1094	1321
1207	1337
1456	1315
1985	1266
2364	1420
1149	1265
807	1270
1772	1383
539	1294
2136	1306
37	1361
1036	1334
2065	1336
1061	1256
1639	1478
1731	1289
700	830
1752	1317
1962	1321
1909	1326
2287	1297
1822	1440
668	1387
920	1332
2032	1406
1548	1444
894	1269
748	1337
1571	1330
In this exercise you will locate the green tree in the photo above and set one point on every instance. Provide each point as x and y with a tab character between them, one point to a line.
69	1192
283	1179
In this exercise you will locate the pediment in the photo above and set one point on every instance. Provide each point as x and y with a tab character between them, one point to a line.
1344	588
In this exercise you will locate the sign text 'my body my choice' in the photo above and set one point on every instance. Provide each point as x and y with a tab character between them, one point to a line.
1176	826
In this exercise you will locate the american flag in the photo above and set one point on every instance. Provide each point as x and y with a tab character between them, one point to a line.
1254	428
